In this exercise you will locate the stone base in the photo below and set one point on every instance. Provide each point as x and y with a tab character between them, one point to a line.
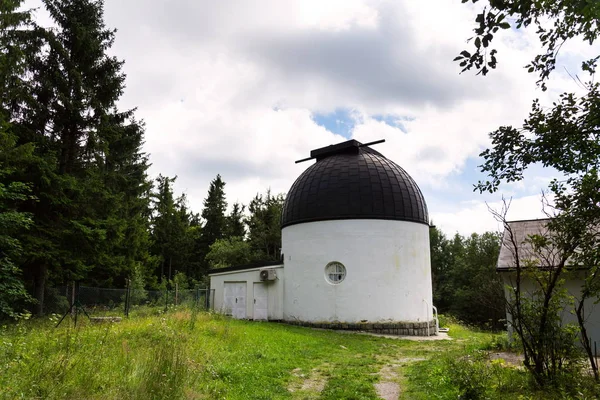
387	328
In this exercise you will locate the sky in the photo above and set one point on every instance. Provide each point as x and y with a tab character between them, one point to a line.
245	88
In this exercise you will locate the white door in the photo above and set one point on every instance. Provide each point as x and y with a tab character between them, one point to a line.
260	301
229	297
234	299
239	311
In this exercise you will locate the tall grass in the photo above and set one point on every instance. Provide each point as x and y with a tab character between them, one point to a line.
183	354
189	354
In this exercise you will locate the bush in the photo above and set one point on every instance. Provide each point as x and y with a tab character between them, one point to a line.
55	301
471	375
500	342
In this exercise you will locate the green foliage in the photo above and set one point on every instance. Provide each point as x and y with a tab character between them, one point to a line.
563	137
229	252
215	222
235	221
137	285
465	283
548	344
86	171
13	223
264	225
181	280
172	239
471	375
569	19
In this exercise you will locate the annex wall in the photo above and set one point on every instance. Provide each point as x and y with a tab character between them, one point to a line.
249	277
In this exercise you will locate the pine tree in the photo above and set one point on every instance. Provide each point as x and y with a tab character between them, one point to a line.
88	173
168	228
19	42
13	294
213	214
264	230
235	221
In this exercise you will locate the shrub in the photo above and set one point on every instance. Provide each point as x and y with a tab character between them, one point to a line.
471	375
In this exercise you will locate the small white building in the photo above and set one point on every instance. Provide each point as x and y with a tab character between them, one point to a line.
246	292
521	231
355	250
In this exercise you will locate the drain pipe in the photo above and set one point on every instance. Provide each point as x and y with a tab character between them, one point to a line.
428	311
437	321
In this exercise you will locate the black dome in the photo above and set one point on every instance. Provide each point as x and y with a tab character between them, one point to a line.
352	181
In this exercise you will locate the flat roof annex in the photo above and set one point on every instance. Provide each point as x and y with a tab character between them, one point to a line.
253	265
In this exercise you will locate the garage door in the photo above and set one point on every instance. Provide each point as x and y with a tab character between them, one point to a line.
260	301
234	299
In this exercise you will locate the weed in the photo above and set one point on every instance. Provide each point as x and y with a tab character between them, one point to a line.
163	373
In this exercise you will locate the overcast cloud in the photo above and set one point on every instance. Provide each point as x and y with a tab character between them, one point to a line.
233	88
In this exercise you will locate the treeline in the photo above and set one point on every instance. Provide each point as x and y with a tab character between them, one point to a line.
76	203
183	242
465	282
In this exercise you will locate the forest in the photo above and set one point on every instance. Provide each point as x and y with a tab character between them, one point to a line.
77	203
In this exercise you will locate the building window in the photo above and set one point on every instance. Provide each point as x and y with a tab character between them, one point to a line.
335	272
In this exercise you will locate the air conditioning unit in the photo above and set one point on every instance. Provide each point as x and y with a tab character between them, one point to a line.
268	275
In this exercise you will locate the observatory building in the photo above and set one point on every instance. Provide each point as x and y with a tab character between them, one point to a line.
355	251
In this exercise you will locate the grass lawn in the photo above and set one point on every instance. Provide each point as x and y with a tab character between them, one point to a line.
194	355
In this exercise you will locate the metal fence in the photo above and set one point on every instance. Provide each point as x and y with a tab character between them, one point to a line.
96	301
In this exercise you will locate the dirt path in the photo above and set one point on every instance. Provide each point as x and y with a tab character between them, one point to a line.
388	387
309	385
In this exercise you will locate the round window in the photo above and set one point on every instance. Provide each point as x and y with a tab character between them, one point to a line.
335	272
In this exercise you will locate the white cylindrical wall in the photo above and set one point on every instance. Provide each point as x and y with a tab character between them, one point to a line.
388	271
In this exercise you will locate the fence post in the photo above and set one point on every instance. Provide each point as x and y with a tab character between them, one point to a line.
176	292
166	297
127	297
73	310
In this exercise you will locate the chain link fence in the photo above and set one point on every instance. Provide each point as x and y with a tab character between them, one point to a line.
122	302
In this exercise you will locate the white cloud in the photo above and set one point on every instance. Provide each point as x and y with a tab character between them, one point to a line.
476	216
230	87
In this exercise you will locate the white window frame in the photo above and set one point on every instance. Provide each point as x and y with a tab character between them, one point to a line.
335	272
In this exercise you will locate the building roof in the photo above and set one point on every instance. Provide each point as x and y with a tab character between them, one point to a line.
352	181
258	264
521	231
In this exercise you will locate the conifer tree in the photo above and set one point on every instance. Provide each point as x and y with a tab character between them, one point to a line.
235	221
13	294
213	214
169	227
19	42
264	230
87	173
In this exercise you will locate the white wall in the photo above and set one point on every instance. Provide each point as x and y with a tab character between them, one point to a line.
250	276
573	286
388	271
